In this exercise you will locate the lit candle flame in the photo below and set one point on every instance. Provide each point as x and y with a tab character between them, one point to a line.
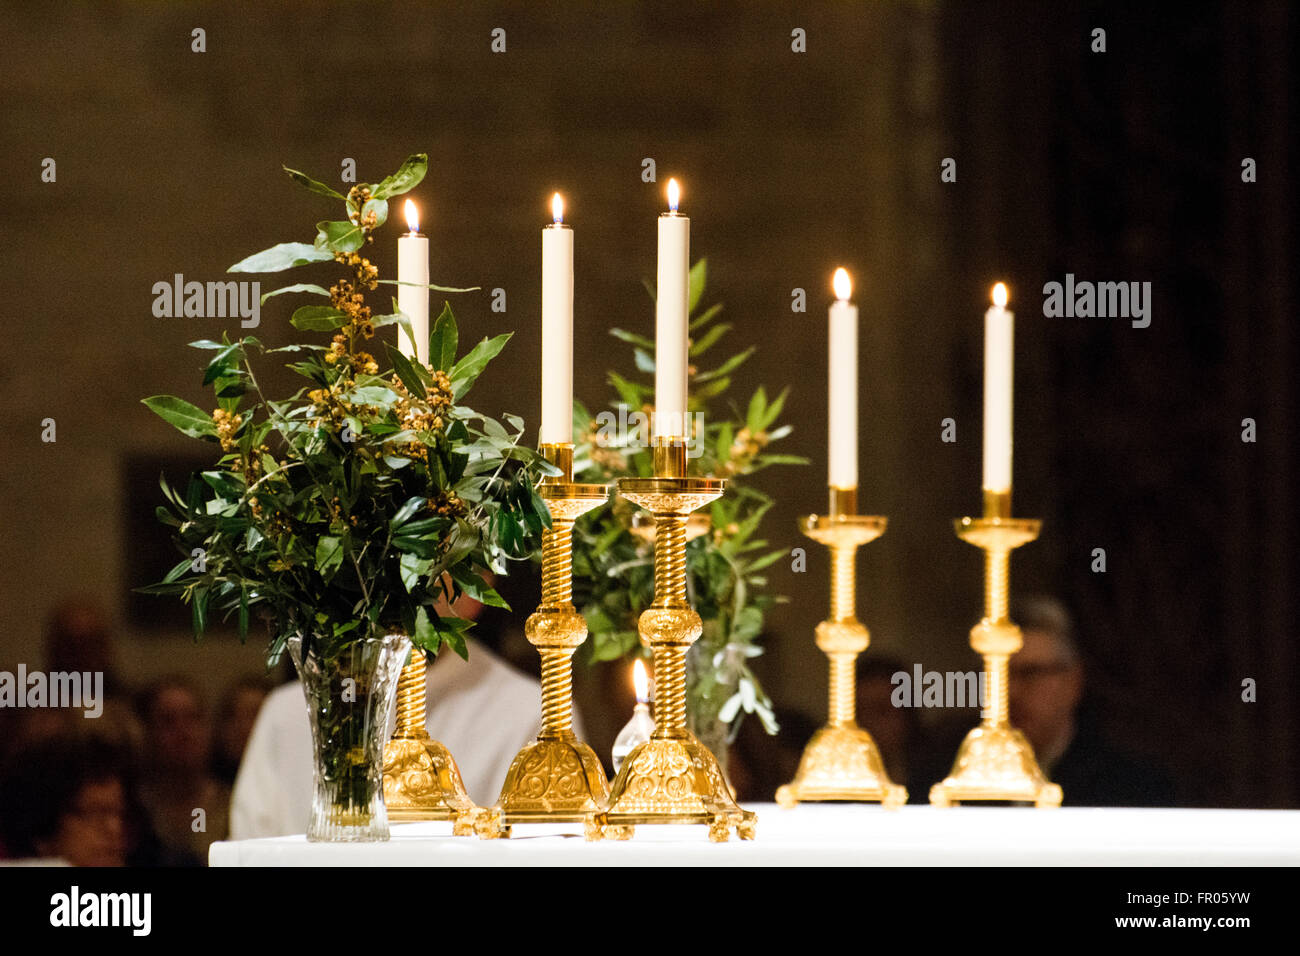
641	681
674	194
842	284
557	208
412	216
1000	295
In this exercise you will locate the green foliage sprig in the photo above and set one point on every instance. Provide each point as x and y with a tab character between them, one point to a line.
347	509
613	566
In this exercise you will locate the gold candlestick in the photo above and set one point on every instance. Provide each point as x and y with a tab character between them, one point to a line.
557	778
842	761
995	761
421	779
672	778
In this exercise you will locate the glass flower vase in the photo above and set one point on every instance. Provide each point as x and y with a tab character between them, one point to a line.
708	687
350	696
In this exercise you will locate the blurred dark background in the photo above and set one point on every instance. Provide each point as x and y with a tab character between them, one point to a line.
1117	166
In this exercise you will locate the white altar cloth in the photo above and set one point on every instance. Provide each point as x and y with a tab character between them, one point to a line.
837	834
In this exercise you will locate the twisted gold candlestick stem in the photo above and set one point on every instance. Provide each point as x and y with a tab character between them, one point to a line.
557	693
557	778
995	761
410	698
421	778
842	761
843	689
672	777
557	595
843	702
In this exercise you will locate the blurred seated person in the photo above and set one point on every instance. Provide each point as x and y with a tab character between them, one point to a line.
64	797
188	805
758	762
483	710
1048	707
78	638
896	730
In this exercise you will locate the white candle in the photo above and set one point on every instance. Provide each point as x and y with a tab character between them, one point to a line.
842	466
998	339
413	300
672	303
557	329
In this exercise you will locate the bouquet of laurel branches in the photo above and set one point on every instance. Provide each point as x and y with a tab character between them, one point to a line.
613	559
345	510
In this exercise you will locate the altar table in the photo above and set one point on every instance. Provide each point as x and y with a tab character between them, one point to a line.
838	834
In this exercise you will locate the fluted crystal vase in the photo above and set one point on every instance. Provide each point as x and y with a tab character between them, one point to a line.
709	685
349	698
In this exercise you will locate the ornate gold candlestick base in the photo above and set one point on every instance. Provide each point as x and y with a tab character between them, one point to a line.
550	781
842	761
558	778
995	761
672	778
421	779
